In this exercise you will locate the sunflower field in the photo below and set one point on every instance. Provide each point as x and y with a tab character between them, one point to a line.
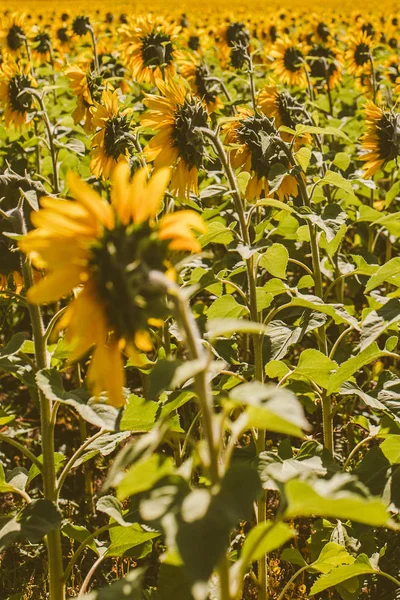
199	300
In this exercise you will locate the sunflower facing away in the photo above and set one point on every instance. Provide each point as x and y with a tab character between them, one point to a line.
325	65
86	86
257	153
198	75
381	141
175	115
107	251
148	47
284	109
17	103
289	65
110	145
358	54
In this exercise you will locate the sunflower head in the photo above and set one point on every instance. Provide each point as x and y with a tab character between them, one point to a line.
178	142
289	65
381	141
15	37
108	252
42	43
62	35
257	153
81	25
198	75
238	40
111	144
149	48
324	65
358	53
323	32
15	85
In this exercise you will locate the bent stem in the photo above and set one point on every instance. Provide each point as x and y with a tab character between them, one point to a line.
53	153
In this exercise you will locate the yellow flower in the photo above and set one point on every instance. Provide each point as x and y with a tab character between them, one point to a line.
381	140
148	48
18	105
289	65
107	250
358	54
254	151
175	115
111	144
14	35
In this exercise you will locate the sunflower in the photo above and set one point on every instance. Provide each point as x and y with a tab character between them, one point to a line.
110	145
358	54
256	152
14	35
325	65
106	252
15	97
234	40
198	74
175	115
42	46
86	86
289	65
381	141
393	68
148	48
284	109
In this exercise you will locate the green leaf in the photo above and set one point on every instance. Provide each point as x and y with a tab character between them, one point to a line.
226	307
293	556
112	507
14	480
123	539
337	311
384	274
391	449
13	346
301	129
333	499
303	157
392	193
342	160
101	415
143	475
79	534
217	233
337	180
271	408
317	367
332	555
263	538
352	365
361	566
59	460
227	327
275	260
139	414
33	522
377	321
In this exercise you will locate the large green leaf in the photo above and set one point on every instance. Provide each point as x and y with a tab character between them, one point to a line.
333	498
361	566
275	260
33	522
142	475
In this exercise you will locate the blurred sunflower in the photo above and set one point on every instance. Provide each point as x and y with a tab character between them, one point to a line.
110	145
393	68
381	141
42	46
86	86
234	40
358	53
148	48
325	65
175	115
15	97
289	65
198	75
256	152
14	34
108	250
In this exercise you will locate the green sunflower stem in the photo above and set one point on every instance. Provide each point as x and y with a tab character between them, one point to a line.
371	62
49	129
196	351
255	316
53	539
96	56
